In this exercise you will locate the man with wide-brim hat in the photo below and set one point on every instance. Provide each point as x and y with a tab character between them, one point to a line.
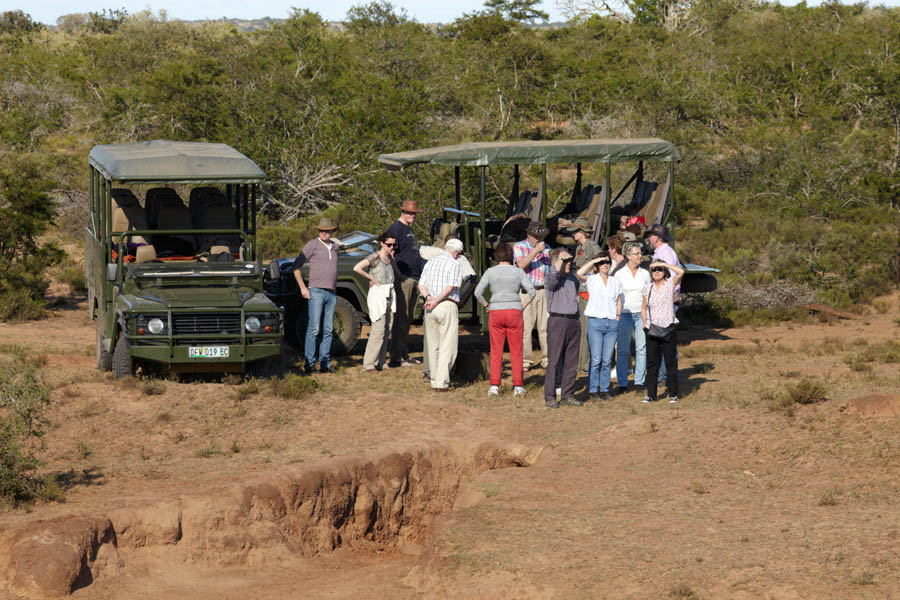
322	255
409	266
533	257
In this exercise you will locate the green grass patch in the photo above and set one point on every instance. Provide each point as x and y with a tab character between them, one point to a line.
294	387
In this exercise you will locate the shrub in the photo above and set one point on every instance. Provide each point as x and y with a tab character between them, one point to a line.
23	396
71	273
807	391
294	387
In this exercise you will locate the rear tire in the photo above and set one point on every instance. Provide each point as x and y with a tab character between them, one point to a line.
122	364
104	358
346	327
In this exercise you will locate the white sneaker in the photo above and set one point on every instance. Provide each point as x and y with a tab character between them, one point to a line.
518	391
494	390
673	399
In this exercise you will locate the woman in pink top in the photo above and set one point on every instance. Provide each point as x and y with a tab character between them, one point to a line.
657	309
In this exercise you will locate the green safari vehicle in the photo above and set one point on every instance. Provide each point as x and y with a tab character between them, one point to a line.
171	261
654	201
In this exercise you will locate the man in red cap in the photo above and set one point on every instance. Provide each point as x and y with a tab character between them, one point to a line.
410	264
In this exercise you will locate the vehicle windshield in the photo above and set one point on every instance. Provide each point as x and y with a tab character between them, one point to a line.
184	269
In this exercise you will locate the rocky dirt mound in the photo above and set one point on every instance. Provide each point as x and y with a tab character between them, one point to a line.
363	502
876	405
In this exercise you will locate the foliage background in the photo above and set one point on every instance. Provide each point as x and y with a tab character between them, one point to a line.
787	119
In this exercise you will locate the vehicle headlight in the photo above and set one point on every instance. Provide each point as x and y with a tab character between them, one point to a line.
156	325
252	324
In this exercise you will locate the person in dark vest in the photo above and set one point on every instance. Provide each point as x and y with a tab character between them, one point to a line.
409	265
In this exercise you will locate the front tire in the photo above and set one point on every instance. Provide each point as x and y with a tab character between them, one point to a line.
122	364
104	358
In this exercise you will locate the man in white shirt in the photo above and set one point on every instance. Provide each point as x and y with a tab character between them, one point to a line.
439	284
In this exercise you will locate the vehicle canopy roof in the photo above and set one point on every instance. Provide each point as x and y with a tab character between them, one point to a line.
163	161
480	154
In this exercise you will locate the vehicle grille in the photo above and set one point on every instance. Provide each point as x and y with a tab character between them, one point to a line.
209	323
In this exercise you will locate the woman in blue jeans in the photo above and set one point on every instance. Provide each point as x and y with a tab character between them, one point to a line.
604	306
632	279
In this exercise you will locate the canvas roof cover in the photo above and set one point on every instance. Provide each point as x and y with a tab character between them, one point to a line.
174	162
479	154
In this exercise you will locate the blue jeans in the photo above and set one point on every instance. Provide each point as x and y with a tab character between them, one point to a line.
601	337
631	324
321	318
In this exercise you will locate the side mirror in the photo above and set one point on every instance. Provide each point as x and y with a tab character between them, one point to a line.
112	271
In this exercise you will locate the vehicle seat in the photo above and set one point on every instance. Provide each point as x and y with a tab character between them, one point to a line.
174	216
655	208
215	213
128	214
145	253
202	197
446	229
157	198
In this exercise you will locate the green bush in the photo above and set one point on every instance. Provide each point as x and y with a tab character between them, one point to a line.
71	273
294	387
807	391
23	396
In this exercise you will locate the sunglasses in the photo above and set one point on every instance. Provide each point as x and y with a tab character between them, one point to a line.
389	245
603	262
658	270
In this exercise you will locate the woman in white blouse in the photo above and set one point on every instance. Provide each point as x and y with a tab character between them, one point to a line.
603	309
632	278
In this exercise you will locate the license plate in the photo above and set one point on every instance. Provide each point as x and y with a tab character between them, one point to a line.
208	352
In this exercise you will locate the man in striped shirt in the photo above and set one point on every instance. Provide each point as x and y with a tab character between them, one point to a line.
533	257
439	284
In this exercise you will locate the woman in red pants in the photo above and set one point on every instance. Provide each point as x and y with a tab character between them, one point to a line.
504	280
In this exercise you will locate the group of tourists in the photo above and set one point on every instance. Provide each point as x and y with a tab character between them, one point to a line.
588	307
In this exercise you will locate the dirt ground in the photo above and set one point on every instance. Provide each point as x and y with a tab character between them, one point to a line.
736	492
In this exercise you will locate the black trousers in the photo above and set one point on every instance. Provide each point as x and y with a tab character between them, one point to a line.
563	338
655	349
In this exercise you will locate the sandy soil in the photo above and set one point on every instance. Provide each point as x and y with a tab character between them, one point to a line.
729	494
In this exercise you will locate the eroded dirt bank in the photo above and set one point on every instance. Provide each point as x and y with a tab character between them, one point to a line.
371	503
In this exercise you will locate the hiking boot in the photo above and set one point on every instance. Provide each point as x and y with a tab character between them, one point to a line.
573	402
518	391
494	390
551	404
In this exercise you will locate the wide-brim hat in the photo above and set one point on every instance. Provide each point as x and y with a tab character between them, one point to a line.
410	206
581	224
536	229
326	224
658	230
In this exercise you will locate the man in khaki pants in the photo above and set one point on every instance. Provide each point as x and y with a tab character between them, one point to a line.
532	256
439	284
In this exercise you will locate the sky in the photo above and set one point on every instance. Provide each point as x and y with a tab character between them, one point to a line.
424	11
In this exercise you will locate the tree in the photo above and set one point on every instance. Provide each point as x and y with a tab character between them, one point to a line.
16	21
524	11
25	213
